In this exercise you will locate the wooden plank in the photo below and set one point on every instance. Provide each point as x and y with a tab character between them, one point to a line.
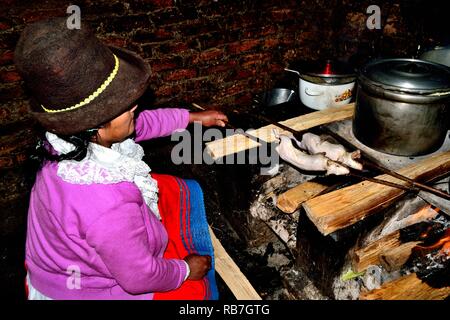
409	287
238	142
230	272
344	207
292	199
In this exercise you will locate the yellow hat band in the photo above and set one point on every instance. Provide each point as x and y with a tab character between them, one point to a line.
93	95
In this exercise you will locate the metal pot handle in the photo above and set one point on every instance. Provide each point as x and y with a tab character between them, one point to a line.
294	71
313	93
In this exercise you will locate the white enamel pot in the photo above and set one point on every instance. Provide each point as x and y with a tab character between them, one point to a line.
322	90
323	96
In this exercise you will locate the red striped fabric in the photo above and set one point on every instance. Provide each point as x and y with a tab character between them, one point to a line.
174	208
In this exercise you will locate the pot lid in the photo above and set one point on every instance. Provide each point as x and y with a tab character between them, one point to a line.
409	75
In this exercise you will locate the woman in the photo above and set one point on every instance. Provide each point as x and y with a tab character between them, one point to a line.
99	225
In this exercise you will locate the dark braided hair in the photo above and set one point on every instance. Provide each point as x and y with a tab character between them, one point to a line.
80	140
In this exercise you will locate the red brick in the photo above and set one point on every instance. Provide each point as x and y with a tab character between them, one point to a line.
212	40
35	15
10	92
169	16
115	41
235	89
126	23
255	59
208	55
144	36
281	15
198	84
4	26
271	43
260	31
9	40
276	68
220	68
242	74
6	57
181	74
9	76
199	27
158	65
174	47
167	91
243	99
242	46
6	162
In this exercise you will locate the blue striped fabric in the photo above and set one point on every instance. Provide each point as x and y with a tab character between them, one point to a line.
197	240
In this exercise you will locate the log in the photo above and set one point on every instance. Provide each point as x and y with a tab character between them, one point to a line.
395	258
230	272
370	254
292	199
409	287
342	208
388	250
238	142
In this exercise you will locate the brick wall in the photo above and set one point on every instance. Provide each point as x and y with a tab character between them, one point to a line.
215	53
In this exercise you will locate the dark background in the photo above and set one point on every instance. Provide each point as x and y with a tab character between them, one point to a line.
218	54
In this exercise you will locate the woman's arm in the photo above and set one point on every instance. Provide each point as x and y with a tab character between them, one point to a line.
120	238
160	122
163	122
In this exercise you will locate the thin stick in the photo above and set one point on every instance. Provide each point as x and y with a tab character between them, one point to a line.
197	106
352	171
414	184
370	161
251	137
384	182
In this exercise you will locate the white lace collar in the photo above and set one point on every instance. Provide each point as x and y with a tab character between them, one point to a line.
122	162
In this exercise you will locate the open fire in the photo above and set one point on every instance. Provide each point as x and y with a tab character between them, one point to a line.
431	259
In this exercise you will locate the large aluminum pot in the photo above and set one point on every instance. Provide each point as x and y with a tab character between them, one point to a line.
402	106
325	84
439	54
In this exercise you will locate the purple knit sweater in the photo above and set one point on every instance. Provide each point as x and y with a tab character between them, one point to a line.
106	231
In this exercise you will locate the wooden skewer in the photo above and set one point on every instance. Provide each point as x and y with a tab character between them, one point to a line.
197	106
369	161
413	185
352	171
228	124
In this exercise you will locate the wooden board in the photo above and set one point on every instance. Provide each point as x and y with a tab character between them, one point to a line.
292	199
344	207
238	142
230	272
409	287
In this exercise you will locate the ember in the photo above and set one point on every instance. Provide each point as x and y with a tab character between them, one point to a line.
431	259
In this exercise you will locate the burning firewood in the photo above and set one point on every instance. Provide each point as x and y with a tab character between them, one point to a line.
431	259
409	287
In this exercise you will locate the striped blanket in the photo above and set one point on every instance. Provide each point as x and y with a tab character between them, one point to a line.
183	214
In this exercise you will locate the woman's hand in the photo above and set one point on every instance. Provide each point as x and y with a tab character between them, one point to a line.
209	118
199	266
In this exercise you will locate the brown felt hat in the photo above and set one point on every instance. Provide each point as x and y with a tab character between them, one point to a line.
77	83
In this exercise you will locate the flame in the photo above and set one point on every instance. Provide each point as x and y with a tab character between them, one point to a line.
443	242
